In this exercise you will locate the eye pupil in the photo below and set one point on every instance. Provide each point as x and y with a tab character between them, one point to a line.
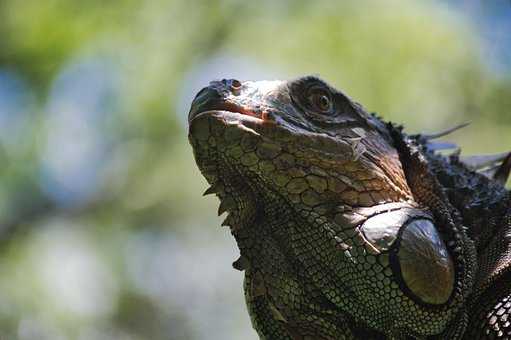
323	102
319	100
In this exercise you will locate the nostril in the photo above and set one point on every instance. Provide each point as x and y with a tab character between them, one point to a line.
235	84
230	85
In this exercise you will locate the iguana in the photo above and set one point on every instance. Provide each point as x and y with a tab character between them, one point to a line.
349	228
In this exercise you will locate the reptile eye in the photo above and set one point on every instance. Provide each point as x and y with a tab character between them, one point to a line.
324	102
320	100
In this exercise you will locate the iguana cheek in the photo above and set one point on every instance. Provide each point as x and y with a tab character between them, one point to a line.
425	265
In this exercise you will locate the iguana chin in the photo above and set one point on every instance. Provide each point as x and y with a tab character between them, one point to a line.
347	227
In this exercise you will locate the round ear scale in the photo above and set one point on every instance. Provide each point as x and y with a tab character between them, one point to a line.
424	263
418	255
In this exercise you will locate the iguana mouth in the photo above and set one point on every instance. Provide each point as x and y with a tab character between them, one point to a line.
229	108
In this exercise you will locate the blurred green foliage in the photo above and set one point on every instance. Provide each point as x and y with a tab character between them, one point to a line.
104	233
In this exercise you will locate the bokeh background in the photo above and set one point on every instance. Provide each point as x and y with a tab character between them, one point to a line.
104	233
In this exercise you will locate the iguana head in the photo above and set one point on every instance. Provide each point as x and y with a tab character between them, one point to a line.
301	139
302	168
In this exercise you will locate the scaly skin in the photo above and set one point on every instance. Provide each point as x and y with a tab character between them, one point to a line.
347	227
